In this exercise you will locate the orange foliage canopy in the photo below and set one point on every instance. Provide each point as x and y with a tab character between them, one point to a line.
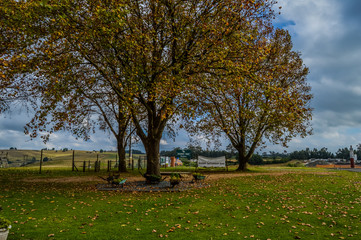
122	59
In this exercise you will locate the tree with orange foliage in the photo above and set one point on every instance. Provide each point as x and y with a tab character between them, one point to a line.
266	99
147	53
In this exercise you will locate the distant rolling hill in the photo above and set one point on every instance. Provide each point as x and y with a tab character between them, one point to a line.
54	158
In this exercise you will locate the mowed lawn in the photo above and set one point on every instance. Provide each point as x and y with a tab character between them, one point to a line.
264	203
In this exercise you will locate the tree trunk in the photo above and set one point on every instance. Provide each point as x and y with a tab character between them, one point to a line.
242	161
122	167
157	120
152	150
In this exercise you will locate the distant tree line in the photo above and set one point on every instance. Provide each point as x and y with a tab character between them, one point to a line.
323	153
134	151
198	151
257	159
269	157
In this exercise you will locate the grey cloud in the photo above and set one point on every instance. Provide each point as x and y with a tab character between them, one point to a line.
13	123
327	33
351	13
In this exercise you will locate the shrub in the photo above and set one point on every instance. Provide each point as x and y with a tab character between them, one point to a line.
153	178
118	180
4	223
297	164
175	176
189	163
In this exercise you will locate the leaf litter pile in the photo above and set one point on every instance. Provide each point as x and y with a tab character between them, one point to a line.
302	205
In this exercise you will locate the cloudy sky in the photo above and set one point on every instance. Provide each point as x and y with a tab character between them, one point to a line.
328	35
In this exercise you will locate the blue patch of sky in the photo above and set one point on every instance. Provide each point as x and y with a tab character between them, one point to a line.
284	24
353	131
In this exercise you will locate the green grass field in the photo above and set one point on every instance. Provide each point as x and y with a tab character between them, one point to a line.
58	158
265	203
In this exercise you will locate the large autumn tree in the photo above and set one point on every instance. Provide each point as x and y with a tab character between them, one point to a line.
267	98
145	52
9	86
170	42
59	56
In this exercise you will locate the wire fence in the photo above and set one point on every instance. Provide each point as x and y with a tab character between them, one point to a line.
81	161
139	162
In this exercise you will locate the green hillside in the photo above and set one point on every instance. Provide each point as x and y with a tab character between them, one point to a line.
56	158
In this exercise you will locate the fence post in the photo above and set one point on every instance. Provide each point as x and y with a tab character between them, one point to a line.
73	163
108	166
84	165
41	160
95	166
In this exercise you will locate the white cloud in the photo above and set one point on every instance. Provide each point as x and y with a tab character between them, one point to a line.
315	22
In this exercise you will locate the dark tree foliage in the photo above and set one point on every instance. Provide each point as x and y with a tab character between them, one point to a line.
343	153
135	151
306	154
195	152
256	160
